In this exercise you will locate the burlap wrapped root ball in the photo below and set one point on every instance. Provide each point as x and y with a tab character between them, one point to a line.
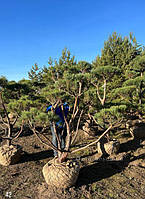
10	154
109	148
61	175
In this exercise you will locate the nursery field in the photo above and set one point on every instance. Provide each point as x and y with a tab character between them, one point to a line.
104	98
118	176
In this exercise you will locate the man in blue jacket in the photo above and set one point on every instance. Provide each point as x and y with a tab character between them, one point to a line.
61	111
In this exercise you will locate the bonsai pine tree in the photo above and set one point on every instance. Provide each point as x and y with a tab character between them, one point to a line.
108	78
10	110
101	76
65	81
14	97
136	74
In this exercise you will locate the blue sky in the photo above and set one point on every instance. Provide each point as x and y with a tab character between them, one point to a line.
31	31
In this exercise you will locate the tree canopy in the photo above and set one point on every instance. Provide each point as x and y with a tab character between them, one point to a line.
107	90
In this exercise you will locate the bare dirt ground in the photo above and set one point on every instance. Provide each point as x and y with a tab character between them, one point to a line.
119	176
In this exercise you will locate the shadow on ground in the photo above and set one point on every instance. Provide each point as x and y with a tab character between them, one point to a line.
130	145
104	168
100	170
27	157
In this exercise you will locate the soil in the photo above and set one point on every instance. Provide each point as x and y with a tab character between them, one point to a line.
115	176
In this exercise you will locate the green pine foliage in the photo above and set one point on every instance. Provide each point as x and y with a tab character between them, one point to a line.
108	90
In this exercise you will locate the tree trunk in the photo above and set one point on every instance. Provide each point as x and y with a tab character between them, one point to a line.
9	135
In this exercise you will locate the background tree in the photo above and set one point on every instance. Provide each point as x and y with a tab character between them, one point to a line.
8	120
109	79
118	51
14	97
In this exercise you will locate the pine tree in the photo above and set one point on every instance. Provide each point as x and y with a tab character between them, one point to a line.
109	76
118	51
136	78
9	115
64	80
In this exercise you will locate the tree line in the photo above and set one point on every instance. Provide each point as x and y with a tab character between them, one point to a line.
108	91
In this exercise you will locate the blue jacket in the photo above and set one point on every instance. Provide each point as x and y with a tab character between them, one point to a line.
58	111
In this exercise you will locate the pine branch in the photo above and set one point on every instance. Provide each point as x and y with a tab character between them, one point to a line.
80	88
49	144
43	129
18	134
102	100
53	78
78	123
14	122
46	139
74	108
82	148
3	120
3	127
96	121
6	138
104	97
68	137
5	110
65	91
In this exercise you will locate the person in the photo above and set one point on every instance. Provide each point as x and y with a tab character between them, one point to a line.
61	111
